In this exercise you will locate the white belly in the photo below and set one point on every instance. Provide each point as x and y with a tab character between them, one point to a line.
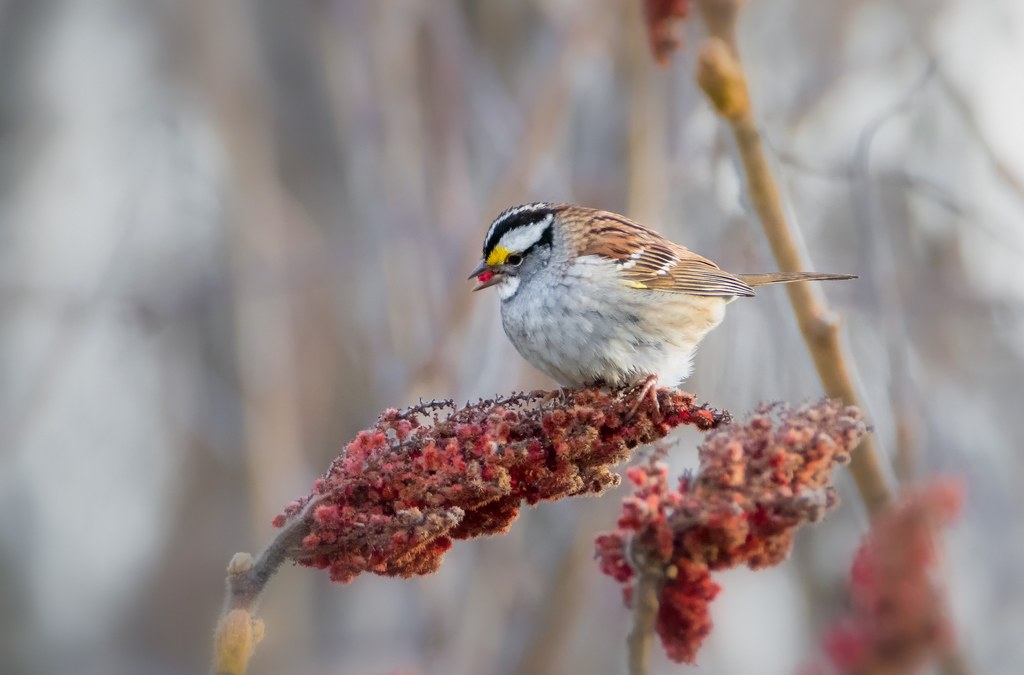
579	336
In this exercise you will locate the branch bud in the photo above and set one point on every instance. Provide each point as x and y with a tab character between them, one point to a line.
721	77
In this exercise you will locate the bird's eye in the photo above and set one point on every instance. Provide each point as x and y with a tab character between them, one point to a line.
514	259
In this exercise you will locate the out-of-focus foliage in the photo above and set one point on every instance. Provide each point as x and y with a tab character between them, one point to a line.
897	619
233	231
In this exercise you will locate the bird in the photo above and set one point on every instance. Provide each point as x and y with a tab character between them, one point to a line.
592	298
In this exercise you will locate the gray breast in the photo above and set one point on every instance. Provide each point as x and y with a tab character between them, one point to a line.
581	326
575	328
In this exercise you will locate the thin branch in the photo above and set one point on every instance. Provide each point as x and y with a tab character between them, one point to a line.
247	577
721	76
649	574
239	630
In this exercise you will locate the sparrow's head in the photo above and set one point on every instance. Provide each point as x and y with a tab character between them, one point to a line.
517	243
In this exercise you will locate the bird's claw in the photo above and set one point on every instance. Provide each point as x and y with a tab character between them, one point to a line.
648	389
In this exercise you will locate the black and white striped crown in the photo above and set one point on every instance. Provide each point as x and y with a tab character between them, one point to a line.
520	227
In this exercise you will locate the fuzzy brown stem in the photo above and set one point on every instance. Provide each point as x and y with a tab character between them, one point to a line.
649	575
720	74
239	630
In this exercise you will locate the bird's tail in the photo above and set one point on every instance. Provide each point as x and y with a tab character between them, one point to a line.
790	277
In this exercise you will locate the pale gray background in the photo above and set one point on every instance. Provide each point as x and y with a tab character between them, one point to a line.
231	232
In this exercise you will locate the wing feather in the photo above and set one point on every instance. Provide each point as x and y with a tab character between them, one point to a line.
647	260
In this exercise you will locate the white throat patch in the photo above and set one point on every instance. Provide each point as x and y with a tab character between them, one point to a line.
508	287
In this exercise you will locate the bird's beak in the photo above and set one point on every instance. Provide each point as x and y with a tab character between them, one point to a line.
486	276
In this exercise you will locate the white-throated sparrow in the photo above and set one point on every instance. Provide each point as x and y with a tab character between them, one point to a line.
592	297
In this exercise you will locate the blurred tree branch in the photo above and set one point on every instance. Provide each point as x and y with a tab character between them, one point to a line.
239	630
545	117
965	109
720	74
649	573
563	594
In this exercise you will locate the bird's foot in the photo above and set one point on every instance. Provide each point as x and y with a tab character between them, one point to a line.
648	389
556	396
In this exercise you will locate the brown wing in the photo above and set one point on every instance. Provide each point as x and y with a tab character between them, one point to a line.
647	260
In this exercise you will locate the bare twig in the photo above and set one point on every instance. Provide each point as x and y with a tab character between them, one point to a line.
239	630
649	573
721	76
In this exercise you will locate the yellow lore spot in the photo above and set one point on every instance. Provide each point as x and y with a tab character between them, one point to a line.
497	256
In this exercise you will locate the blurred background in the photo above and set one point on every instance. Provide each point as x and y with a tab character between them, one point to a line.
231	232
